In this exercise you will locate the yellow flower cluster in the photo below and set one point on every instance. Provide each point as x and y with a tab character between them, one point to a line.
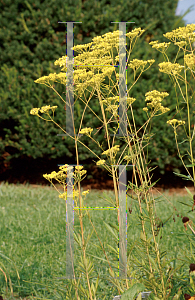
130	100
190	60
93	57
43	109
75	194
61	78
135	64
128	158
61	177
145	109
79	172
62	61
112	150
100	162
112	39
86	131
182	33
110	99
78	168
113	108
55	175
161	46
180	44
174	122
85	193
132	156
156	97
82	75
137	32
169	68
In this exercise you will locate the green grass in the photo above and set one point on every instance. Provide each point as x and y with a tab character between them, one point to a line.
33	236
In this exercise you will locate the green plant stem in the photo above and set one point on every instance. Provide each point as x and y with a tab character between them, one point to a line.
113	172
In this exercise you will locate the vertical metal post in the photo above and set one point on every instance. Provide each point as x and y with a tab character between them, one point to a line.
122	80
69	82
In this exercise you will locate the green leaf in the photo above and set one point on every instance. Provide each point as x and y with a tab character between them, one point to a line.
110	229
114	250
167	220
154	263
191	165
183	141
131	293
88	238
184	204
192	283
177	296
102	259
189	192
183	176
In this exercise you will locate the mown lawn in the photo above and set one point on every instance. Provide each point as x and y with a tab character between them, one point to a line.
33	237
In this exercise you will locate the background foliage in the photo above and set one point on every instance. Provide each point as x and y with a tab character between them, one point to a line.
32	39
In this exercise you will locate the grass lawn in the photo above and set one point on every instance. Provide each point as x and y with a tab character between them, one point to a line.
33	237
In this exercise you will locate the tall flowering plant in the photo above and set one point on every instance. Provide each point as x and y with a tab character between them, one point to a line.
95	64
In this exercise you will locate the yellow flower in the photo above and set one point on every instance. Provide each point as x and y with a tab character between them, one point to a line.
174	122
80	173
180	44
78	168
86	131
151	61
190	60
169	68
136	63
44	109
114	150
127	157
130	100
113	109
50	176
145	109
64	195
185	33
137	32
81	48
62	62
85	193
64	168
61	77
160	46
34	111
153	43
156	97
42	80
47	79
164	109
100	162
